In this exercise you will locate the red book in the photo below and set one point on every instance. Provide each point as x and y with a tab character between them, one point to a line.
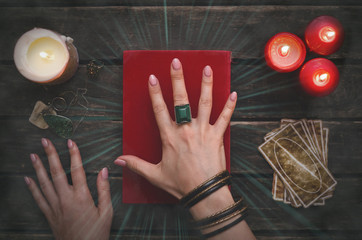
140	132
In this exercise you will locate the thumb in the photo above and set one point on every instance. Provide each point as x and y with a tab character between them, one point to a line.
139	166
104	194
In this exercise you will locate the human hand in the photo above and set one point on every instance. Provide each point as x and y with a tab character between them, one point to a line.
191	152
70	209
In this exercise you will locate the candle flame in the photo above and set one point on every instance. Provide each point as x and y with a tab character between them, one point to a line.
284	51
321	79
46	55
323	76
327	34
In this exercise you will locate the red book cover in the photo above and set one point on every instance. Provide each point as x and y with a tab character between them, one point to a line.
140	132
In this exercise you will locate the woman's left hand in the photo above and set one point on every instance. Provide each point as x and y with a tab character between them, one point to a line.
70	209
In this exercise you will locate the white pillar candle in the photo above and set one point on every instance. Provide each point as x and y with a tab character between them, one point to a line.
44	56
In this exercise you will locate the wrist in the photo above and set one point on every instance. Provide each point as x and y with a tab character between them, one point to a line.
215	202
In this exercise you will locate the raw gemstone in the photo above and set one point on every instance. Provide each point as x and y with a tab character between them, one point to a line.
62	126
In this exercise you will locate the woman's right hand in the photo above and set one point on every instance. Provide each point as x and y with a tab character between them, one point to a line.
191	152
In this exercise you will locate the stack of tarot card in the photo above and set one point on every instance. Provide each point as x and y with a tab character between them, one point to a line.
298	153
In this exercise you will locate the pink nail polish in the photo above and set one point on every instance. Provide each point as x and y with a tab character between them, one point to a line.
44	142
153	80
70	144
120	162
176	64
33	157
233	96
207	71
27	180
105	173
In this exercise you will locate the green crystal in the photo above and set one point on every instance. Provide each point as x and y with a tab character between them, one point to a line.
62	126
183	114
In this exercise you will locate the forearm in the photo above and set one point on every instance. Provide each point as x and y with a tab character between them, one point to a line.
216	202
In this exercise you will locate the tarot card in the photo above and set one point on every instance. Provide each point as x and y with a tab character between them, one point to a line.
298	167
315	130
286	196
325	144
308	132
303	133
278	188
271	133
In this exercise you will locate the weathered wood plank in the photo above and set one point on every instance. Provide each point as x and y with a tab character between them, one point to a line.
341	213
37	236
263	94
104	32
289	235
98	3
104	94
343	155
101	142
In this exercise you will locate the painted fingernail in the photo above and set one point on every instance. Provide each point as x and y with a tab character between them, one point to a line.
153	80
120	162
105	173
207	71
70	144
44	142
33	157
27	180
176	64
233	96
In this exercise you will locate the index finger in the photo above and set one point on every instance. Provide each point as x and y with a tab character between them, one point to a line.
160	110
56	169
76	166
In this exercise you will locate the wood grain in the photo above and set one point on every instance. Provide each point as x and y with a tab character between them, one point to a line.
20	211
101	142
98	3
103	29
262	94
104	32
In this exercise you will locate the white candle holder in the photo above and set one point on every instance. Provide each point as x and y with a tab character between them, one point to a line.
46	57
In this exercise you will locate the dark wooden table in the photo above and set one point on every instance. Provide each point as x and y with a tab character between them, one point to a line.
103	29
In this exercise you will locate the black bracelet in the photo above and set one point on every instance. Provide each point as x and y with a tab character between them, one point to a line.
217	217
226	227
208	191
204	186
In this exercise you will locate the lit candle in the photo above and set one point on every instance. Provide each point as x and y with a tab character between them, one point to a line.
324	35
44	56
285	52
319	77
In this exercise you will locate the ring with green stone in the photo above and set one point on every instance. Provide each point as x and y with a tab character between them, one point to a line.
183	114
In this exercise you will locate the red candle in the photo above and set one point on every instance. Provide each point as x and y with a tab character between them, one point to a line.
324	35
319	77
285	52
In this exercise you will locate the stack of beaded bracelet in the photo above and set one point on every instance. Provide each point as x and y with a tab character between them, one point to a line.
205	189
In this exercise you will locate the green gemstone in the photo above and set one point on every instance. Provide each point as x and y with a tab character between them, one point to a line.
62	126
183	114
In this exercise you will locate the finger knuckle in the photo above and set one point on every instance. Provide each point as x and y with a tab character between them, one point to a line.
76	167
54	171
44	185
178	76
181	97
104	188
207	82
158	108
225	118
229	106
155	90
205	102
